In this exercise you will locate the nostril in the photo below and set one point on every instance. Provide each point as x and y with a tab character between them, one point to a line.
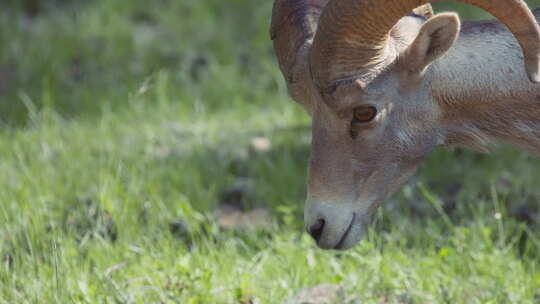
316	229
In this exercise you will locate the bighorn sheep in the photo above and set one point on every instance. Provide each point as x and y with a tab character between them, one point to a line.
387	81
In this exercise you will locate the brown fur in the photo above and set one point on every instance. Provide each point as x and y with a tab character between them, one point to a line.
430	90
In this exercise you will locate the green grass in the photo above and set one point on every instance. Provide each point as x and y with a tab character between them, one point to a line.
119	118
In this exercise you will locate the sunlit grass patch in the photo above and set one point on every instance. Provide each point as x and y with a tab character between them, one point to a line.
125	123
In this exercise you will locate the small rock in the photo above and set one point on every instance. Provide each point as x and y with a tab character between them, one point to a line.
256	219
261	144
320	294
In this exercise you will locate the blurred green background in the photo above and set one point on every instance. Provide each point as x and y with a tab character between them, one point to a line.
149	153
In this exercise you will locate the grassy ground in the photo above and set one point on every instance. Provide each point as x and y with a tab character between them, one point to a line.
122	123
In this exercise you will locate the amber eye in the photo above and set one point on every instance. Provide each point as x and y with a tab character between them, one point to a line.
364	114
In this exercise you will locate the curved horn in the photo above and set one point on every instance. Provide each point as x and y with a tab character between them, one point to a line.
353	35
293	26
294	23
425	10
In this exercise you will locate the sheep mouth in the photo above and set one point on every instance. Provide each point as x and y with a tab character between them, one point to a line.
341	243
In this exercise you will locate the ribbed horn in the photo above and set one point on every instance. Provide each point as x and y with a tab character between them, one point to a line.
352	35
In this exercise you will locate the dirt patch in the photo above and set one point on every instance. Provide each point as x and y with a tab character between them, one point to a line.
322	294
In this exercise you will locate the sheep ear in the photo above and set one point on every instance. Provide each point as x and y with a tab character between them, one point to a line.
434	39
